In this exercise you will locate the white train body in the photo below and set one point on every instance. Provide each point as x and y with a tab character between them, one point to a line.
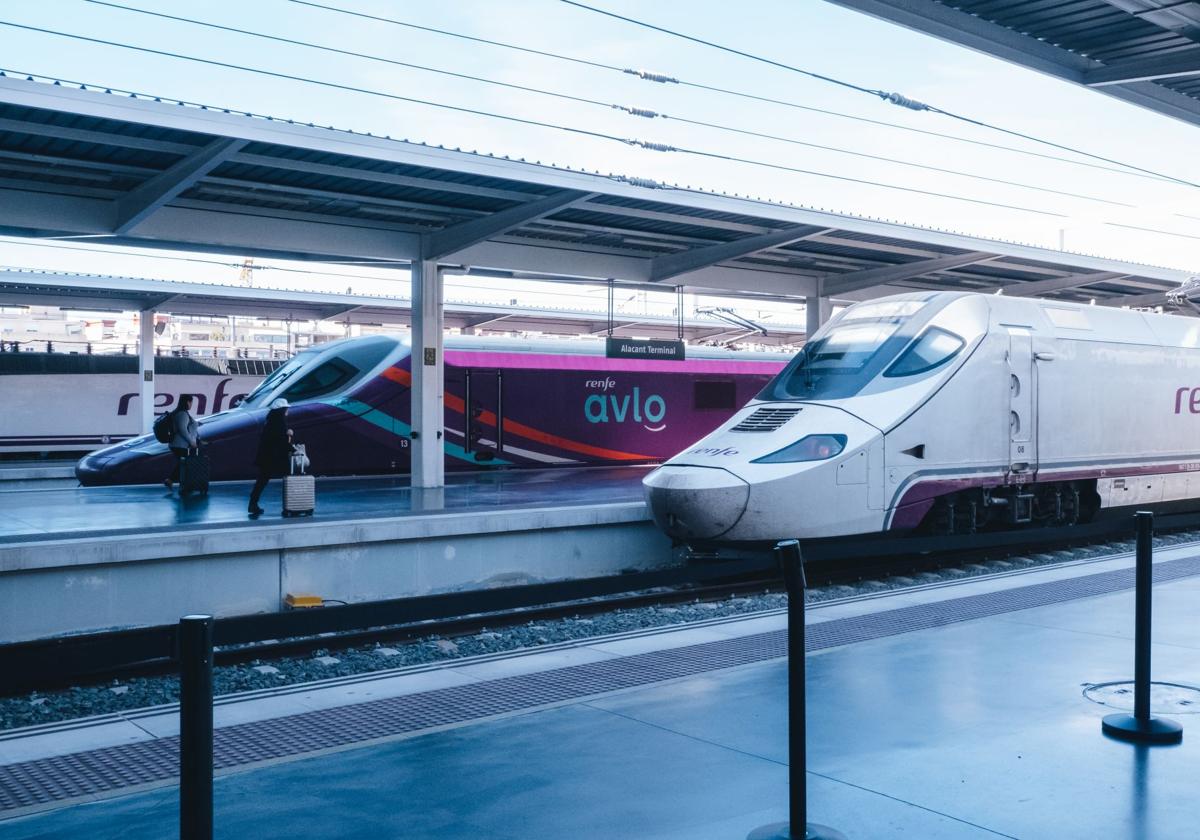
950	411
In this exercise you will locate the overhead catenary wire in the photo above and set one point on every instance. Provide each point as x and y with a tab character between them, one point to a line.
519	120
292	77
639	112
892	97
796	169
1153	230
351	53
665	78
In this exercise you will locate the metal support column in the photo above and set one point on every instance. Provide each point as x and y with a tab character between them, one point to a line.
428	464
146	370
817	309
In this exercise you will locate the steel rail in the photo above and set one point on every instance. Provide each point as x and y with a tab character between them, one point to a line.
48	664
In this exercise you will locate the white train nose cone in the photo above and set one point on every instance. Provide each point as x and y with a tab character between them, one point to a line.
695	503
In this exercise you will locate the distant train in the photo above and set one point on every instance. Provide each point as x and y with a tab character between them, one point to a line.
950	413
507	404
75	402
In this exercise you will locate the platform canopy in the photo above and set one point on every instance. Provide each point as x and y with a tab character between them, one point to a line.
1142	51
95	292
132	171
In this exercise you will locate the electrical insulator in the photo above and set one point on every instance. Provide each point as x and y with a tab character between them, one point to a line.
648	183
652	77
638	112
652	146
905	102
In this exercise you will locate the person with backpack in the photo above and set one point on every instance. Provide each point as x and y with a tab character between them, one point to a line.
274	450
184	435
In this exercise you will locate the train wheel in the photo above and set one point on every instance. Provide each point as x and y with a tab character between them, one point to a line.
966	515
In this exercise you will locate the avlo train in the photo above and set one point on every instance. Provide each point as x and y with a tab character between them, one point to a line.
950	413
534	403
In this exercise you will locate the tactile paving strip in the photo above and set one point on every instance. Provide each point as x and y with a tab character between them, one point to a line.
42	781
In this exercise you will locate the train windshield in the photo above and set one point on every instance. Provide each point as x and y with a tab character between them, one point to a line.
842	361
277	378
302	379
323	379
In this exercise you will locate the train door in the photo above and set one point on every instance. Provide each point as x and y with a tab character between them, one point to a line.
1022	405
484	400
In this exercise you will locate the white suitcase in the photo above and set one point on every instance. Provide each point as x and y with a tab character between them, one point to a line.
299	489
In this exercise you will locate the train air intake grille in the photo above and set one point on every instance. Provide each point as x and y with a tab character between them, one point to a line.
766	420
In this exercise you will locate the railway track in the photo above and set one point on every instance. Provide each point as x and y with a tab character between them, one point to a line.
50	664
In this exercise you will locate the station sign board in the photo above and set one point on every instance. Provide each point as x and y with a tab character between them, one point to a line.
637	348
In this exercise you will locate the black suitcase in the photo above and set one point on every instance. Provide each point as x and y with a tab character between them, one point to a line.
194	473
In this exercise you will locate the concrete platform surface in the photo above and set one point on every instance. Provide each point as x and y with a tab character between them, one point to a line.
36	475
112	511
972	729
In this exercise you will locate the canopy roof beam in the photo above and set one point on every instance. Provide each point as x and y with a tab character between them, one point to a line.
672	265
1137	301
1032	288
379	177
840	284
335	312
444	243
1146	69
138	205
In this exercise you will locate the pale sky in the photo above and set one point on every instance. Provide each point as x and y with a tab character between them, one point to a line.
809	33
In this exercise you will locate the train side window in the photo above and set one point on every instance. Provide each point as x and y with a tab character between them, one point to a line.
935	347
708	394
328	377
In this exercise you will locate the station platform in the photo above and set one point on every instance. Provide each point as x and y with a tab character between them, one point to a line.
89	559
99	512
40	474
962	710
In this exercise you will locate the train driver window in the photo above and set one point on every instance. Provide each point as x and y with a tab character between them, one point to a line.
710	394
327	377
934	348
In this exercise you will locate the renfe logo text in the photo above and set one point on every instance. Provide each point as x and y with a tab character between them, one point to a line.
1192	402
713	451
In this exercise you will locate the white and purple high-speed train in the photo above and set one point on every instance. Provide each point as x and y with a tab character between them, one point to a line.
950	412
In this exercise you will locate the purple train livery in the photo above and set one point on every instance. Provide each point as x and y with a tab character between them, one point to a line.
532	404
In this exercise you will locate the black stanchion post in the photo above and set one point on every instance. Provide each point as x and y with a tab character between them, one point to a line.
1140	726
195	728
797	826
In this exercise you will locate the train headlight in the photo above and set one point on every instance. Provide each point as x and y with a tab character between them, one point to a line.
809	448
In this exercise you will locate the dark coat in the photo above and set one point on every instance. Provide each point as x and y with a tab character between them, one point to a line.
273	446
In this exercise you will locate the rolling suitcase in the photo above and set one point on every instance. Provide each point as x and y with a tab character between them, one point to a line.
194	473
299	488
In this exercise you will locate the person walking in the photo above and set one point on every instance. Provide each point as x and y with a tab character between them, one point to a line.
185	436
274	449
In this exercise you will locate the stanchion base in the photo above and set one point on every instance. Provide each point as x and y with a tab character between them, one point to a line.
1153	731
783	831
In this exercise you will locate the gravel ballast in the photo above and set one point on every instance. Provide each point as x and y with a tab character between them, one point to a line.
141	692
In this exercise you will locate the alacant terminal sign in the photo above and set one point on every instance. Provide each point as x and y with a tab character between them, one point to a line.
637	348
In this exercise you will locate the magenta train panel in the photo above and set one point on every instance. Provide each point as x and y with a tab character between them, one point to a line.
545	361
502	410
